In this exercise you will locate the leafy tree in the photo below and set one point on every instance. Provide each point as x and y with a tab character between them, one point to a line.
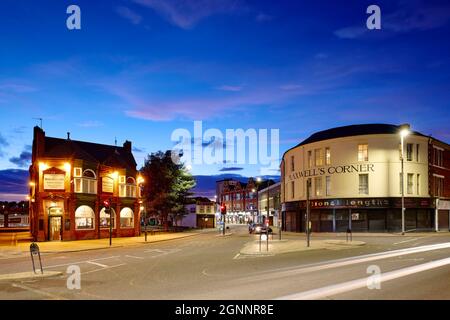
167	186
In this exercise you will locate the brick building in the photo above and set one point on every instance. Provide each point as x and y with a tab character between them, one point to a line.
69	182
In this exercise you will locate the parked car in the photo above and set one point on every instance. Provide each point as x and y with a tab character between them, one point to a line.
259	228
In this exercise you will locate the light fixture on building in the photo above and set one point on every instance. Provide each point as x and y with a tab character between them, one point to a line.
115	175
67	167
140	180
32	184
43	166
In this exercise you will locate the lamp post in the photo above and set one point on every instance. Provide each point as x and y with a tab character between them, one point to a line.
308	214
258	181
404	131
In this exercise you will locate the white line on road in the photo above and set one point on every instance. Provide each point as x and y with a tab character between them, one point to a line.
135	257
78	262
404	241
362	283
21	286
278	273
236	256
97	264
103	269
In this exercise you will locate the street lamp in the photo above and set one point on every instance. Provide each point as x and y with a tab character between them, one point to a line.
404	131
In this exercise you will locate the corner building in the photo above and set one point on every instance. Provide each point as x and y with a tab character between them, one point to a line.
69	182
355	176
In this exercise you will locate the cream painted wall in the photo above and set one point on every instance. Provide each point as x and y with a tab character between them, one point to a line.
383	154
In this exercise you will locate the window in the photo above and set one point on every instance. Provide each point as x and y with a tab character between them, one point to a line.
126	218
409	183
318	155
292	164
104	218
363	184
77	172
292	190
363	152
328	185
417	152
418	184
438	185
438	157
310	160
128	189
327	156
84	218
87	183
318	186
409	151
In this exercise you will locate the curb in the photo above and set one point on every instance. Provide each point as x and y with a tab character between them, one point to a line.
28	275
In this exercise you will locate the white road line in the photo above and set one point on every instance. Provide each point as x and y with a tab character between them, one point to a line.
103	269
21	286
347	261
236	256
135	257
78	262
404	241
362	283
98	264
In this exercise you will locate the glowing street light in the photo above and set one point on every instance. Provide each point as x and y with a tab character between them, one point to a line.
404	131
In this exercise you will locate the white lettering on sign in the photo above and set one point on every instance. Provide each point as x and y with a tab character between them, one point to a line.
107	184
54	181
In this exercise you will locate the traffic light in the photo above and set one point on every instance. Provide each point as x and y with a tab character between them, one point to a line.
223	209
107	206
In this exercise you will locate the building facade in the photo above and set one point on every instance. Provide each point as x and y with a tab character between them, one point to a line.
69	183
201	214
354	176
270	204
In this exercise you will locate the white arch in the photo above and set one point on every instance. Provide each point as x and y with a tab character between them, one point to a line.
92	171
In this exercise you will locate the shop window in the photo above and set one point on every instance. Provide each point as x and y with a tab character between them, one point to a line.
105	218
126	218
84	218
128	189
363	152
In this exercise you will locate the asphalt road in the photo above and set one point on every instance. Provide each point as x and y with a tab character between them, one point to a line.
208	266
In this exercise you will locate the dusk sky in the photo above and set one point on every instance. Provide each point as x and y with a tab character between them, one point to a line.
139	69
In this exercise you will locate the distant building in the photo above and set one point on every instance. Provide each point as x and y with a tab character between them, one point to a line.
200	214
356	182
14	215
272	210
69	182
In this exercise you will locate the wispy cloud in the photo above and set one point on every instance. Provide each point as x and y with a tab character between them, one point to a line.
262	17
290	87
3	143
129	14
24	159
231	169
412	16
138	150
187	13
230	88
16	88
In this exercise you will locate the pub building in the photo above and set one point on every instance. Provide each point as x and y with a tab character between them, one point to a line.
70	181
354	174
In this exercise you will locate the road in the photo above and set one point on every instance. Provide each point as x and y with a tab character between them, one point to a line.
207	266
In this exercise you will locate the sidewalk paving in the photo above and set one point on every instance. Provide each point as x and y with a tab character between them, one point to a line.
29	275
23	248
285	246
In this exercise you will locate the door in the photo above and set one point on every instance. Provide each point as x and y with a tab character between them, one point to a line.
55	228
443	216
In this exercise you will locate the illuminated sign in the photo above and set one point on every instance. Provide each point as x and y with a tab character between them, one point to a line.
107	184
54	181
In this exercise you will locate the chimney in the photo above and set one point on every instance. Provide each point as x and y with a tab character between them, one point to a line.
38	143
68	135
127	146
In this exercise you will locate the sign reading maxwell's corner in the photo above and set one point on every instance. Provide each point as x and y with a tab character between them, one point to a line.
360	168
54	181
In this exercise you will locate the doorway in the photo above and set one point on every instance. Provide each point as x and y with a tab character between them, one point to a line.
55	224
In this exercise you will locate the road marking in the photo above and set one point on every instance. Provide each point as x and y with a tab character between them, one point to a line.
21	286
362	283
78	262
404	241
97	264
135	257
236	256
279	273
103	269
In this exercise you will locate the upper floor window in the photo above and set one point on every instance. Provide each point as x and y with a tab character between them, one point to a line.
438	182
318	155
128	189
409	151
327	156
292	164
363	184
438	157
310	159
328	185
85	182
363	152
292	189
318	186
417	152
409	183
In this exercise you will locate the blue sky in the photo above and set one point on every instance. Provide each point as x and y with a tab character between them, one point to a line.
139	69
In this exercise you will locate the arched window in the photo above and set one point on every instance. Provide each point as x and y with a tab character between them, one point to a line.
126	218
128	189
130	180
88	173
84	218
104	218
87	183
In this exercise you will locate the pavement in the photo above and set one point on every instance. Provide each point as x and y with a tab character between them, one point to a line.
23	248
413	266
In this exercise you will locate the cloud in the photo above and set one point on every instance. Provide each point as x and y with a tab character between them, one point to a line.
231	169
128	14
24	159
138	150
14	183
90	124
413	16
187	13
3	143
230	88
16	88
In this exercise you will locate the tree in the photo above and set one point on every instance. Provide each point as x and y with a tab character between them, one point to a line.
167	186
